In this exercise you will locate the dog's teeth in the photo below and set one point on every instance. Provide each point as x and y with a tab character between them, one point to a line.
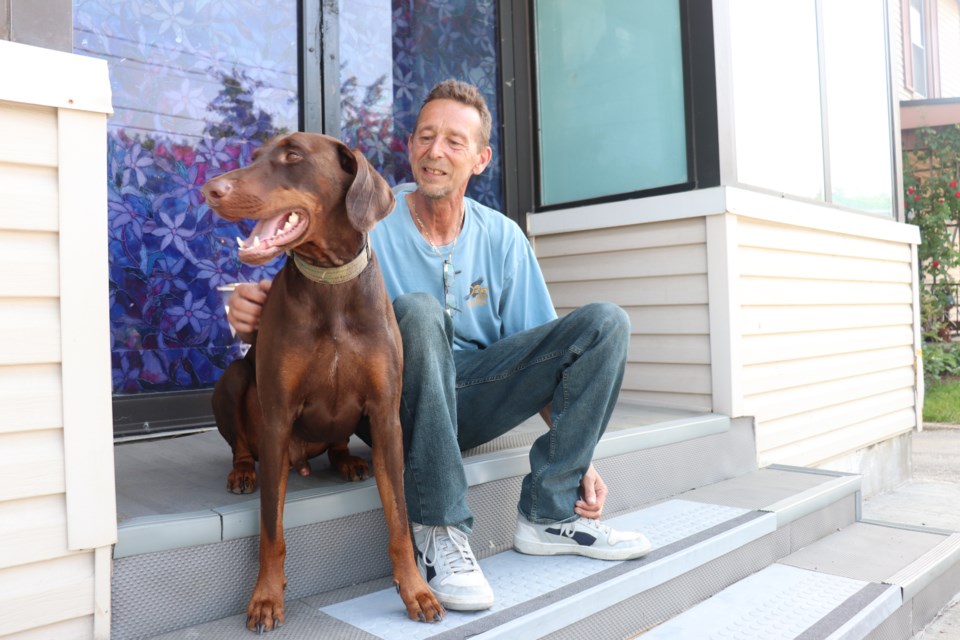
256	241
240	242
286	227
294	218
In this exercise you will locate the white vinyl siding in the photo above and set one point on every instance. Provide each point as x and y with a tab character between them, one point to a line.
827	340
657	273
799	315
57	514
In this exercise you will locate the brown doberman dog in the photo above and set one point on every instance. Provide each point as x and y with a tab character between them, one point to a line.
236	409
329	353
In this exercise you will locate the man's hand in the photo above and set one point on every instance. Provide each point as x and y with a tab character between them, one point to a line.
593	490
245	306
593	493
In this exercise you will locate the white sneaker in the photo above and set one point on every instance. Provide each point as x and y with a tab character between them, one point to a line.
582	537
450	568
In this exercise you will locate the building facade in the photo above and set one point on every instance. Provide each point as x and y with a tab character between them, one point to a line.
727	172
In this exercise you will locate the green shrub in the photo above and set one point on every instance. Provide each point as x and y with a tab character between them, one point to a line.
940	359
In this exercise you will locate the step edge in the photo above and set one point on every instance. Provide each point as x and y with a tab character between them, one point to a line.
153	534
814	499
917	575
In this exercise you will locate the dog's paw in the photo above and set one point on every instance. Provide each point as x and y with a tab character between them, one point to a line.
354	469
421	603
242	481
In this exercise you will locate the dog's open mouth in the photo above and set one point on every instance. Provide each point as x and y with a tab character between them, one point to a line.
271	236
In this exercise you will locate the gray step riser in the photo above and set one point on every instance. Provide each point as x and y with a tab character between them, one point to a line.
158	592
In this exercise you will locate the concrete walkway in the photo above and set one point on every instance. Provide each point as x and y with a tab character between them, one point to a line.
931	499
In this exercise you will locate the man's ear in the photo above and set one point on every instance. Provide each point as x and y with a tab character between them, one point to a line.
485	156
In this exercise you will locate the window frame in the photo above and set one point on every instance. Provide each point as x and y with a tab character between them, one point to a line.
521	150
931	49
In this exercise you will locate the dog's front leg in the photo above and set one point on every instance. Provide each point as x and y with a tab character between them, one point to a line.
387	453
265	609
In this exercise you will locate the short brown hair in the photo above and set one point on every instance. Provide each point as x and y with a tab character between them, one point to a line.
468	94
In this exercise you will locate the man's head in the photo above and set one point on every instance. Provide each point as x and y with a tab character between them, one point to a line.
468	94
451	141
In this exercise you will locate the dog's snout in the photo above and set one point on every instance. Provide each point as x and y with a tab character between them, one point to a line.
217	189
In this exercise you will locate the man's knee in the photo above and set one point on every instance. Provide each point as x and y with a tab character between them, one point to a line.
607	318
421	320
415	305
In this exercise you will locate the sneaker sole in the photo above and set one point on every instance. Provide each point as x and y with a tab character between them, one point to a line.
463	605
535	548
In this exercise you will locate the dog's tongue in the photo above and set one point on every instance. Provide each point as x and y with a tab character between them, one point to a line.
265	231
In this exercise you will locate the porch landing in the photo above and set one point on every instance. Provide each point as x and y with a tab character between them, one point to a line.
171	492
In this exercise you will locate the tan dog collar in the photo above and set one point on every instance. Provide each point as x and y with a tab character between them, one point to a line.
334	275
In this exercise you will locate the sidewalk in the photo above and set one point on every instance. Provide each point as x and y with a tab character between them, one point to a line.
931	499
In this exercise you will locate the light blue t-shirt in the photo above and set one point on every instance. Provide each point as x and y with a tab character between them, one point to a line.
498	286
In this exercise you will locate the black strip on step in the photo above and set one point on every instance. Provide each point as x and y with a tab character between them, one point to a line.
844	612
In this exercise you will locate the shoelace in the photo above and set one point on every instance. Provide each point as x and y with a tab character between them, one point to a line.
453	546
568	529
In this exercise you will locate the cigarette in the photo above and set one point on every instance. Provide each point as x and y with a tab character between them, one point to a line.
229	287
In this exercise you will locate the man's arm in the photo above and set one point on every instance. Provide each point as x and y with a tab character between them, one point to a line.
244	307
593	490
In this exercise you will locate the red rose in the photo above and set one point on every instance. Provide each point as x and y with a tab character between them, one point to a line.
917	198
910	190
936	264
953	184
941	200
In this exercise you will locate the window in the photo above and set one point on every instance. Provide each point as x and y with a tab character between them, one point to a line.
860	160
776	94
811	96
610	98
918	47
197	86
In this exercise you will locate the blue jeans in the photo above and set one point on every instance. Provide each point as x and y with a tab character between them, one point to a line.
454	400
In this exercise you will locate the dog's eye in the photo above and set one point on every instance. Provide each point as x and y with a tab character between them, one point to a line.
292	156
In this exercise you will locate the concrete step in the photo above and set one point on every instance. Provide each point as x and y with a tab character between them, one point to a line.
187	550
704	540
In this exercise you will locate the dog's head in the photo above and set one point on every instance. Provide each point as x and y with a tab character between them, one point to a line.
304	190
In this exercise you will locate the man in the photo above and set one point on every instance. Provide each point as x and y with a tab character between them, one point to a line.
484	351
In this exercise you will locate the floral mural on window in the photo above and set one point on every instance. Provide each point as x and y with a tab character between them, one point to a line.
197	86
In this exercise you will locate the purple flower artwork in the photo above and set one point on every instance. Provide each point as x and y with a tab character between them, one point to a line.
197	86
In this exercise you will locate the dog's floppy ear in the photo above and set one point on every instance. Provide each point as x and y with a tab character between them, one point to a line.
369	198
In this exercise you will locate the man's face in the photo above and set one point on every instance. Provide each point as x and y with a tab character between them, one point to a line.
444	149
